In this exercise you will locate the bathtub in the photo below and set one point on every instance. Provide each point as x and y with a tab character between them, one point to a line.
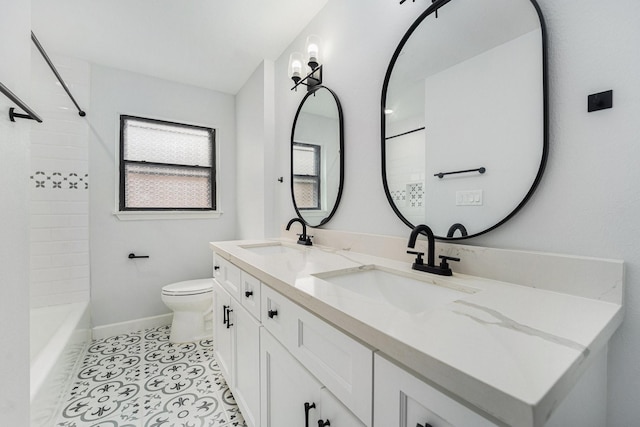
58	335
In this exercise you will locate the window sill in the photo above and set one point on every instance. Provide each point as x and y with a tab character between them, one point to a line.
151	215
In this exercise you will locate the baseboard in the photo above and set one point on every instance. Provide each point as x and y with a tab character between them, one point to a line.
106	331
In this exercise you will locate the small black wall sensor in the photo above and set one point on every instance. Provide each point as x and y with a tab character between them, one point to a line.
600	101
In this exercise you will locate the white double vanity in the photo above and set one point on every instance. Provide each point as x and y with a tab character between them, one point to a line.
345	333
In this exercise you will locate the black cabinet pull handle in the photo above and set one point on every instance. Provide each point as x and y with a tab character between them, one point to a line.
248	293
323	423
307	407
272	313
229	324
425	425
216	267
225	315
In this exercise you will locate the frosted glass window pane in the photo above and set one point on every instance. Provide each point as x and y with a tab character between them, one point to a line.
167	187
305	161
165	143
306	193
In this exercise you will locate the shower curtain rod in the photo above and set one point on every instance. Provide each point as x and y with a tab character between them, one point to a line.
55	71
24	107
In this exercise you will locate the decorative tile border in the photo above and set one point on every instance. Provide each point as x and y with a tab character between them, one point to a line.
412	196
399	196
416	195
59	180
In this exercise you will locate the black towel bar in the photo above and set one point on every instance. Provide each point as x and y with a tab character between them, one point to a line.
55	72
442	174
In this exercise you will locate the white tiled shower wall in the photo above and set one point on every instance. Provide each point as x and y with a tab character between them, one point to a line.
59	183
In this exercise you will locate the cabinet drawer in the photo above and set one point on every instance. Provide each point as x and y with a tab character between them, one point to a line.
278	316
228	275
250	294
403	400
343	365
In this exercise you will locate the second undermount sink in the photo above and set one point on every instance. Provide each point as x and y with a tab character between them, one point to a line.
275	248
404	291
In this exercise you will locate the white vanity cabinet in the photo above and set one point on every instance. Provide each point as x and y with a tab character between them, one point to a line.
295	334
237	343
291	396
402	400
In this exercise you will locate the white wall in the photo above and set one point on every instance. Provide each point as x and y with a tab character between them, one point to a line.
59	184
254	130
123	289
15	24
587	202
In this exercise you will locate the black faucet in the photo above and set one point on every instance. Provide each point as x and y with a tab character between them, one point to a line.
303	239
455	227
430	267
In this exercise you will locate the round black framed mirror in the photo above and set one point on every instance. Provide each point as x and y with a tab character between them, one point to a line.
317	162
464	116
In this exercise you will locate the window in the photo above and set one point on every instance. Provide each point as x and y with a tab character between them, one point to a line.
306	175
166	166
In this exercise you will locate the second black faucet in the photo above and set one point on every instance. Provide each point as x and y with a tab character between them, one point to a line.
430	267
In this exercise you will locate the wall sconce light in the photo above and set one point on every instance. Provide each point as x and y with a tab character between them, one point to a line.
313	69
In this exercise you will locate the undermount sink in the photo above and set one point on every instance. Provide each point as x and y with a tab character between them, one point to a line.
397	289
271	249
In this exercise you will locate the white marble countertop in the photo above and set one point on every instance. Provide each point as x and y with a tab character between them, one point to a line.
512	352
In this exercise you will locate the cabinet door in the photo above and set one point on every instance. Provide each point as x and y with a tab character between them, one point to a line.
221	329
246	354
335	412
343	365
286	386
402	400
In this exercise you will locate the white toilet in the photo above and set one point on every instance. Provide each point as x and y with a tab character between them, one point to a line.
192	305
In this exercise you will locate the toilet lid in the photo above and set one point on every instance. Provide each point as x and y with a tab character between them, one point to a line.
189	287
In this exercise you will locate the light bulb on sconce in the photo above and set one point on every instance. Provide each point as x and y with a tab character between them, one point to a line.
295	67
313	76
312	48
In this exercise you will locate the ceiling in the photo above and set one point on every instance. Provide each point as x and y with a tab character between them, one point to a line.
215	44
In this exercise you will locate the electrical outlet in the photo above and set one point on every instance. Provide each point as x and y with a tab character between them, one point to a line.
469	198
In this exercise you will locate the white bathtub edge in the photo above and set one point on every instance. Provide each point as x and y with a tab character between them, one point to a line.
112	329
44	364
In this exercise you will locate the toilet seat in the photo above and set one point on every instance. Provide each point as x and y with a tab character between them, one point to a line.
188	287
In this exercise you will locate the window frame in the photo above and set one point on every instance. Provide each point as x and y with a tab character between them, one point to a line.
317	148
140	212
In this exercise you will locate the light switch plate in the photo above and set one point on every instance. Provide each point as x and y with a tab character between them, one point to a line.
469	198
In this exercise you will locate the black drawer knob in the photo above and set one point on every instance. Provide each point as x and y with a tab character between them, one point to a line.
272	313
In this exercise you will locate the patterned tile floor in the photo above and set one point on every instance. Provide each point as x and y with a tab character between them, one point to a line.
142	380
